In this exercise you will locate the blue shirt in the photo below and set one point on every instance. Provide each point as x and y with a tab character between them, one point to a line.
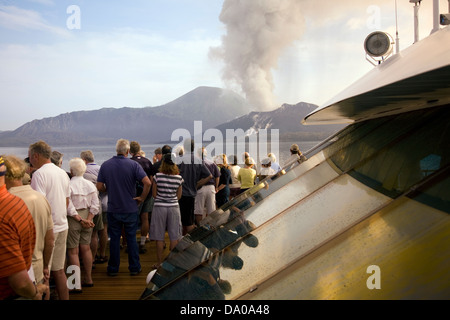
120	175
275	166
212	167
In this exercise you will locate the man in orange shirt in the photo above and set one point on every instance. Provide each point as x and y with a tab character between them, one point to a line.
17	241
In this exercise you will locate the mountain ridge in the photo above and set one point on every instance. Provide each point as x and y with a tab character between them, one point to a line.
286	119
217	108
146	124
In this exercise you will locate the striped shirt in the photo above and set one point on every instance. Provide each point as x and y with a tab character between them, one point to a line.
17	239
167	186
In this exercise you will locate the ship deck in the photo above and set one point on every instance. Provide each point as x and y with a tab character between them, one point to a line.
123	286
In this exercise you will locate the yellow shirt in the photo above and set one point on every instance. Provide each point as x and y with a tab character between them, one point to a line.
42	216
247	177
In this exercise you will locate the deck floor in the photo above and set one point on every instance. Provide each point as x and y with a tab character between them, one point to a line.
123	286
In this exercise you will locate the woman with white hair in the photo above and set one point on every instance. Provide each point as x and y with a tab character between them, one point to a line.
274	164
83	206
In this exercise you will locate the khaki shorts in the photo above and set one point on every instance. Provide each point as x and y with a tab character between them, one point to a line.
59	251
77	234
205	201
98	221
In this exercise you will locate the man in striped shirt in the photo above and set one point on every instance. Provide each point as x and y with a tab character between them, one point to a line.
17	242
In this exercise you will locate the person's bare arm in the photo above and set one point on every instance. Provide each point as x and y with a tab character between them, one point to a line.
22	285
179	192
203	181
154	190
101	187
147	184
49	243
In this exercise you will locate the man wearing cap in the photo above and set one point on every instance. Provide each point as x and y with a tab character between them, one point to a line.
42	216
17	242
266	168
296	155
53	183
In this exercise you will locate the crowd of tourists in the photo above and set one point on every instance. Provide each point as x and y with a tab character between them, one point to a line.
53	220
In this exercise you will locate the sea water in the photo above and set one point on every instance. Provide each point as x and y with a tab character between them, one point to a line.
105	152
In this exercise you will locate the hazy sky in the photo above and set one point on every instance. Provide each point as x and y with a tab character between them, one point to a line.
59	56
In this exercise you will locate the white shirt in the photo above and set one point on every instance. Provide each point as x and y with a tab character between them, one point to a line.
83	195
53	183
234	173
267	171
42	216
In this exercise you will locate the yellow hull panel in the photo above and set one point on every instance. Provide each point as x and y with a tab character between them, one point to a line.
408	241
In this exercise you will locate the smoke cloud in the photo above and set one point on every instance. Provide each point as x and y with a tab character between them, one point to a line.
257	32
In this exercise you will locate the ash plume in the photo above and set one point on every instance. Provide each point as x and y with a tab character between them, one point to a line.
257	32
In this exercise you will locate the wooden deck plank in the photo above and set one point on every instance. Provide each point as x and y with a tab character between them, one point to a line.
123	286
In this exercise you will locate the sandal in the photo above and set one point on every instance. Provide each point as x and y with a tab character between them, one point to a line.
75	291
142	249
100	260
87	285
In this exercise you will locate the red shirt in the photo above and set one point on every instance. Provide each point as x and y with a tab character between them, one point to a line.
17	239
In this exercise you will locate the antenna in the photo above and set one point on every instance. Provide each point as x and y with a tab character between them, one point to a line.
435	16
416	18
397	39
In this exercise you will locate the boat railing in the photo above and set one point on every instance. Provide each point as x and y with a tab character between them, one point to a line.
228	226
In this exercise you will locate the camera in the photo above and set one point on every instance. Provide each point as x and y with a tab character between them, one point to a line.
444	19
